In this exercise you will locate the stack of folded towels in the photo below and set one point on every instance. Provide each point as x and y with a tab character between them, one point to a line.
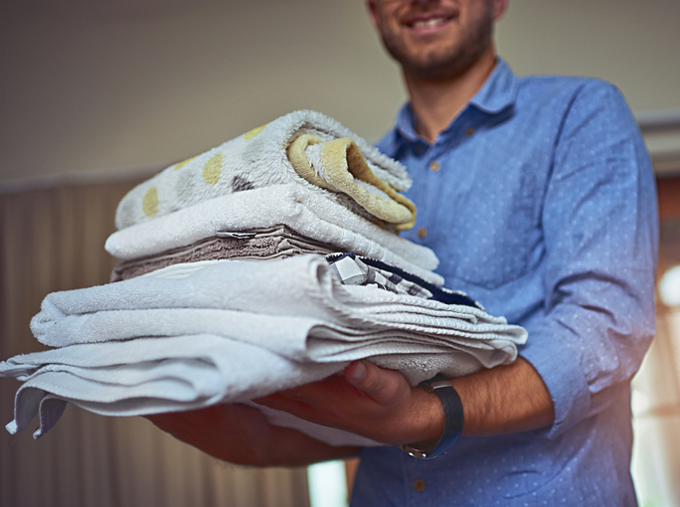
263	264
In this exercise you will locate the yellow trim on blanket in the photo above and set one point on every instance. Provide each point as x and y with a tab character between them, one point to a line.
298	158
342	162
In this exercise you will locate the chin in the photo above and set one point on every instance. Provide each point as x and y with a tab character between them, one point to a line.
437	68
442	57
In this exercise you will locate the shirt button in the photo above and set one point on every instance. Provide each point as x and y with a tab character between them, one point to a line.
419	485
470	131
420	148
422	232
435	166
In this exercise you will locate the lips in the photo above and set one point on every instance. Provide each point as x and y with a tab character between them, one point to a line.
428	22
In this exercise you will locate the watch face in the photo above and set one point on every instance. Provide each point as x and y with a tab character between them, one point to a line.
415	453
441	384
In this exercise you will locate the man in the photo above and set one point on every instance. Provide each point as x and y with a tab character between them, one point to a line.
538	197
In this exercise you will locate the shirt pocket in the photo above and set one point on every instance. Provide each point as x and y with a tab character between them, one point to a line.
491	235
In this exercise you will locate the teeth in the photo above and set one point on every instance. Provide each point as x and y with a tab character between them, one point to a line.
429	23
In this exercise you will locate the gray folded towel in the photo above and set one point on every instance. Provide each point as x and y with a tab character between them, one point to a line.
278	242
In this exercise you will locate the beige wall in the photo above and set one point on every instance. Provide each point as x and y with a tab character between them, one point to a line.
632	43
108	85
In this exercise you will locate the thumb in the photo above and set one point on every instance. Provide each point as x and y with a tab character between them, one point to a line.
384	386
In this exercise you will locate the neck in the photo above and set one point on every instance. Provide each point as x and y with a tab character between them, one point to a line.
435	103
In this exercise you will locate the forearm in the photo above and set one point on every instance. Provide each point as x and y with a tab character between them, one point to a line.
505	399
240	434
290	448
501	400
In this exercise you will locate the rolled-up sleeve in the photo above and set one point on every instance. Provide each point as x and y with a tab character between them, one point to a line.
600	224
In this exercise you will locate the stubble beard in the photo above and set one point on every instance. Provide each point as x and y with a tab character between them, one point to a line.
442	63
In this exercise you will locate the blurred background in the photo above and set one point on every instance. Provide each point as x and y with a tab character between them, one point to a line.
97	95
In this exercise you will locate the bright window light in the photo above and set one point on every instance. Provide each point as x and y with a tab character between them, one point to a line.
669	287
327	484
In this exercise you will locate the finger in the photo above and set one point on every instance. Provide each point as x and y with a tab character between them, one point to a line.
382	385
324	392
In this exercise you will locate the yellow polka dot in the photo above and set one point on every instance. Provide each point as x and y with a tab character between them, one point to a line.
179	165
150	202
252	133
213	169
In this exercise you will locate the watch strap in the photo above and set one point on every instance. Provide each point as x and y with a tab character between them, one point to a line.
453	414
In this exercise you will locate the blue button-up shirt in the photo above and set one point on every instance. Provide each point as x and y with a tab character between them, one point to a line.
539	200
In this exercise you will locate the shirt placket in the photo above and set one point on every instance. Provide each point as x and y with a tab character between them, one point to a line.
436	167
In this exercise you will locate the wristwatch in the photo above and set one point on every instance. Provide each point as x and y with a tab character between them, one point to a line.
453	413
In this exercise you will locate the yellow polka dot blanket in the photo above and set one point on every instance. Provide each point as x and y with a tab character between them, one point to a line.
304	147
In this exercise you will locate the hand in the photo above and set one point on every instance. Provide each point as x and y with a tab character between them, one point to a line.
240	434
380	404
367	400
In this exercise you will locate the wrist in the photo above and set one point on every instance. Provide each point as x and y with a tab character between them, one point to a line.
431	420
447	428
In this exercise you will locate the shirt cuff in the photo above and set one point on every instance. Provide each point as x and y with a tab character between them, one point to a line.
560	366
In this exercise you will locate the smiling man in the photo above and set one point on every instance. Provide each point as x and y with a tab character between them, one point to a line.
538	196
437	42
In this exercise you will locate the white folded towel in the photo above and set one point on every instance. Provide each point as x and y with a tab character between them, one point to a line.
147	376
303	209
297	338
235	330
255	301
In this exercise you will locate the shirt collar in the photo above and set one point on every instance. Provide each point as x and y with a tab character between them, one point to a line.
497	93
404	125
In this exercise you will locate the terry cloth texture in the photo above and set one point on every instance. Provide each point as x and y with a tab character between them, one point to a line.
302	287
302	209
343	167
271	243
140	346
